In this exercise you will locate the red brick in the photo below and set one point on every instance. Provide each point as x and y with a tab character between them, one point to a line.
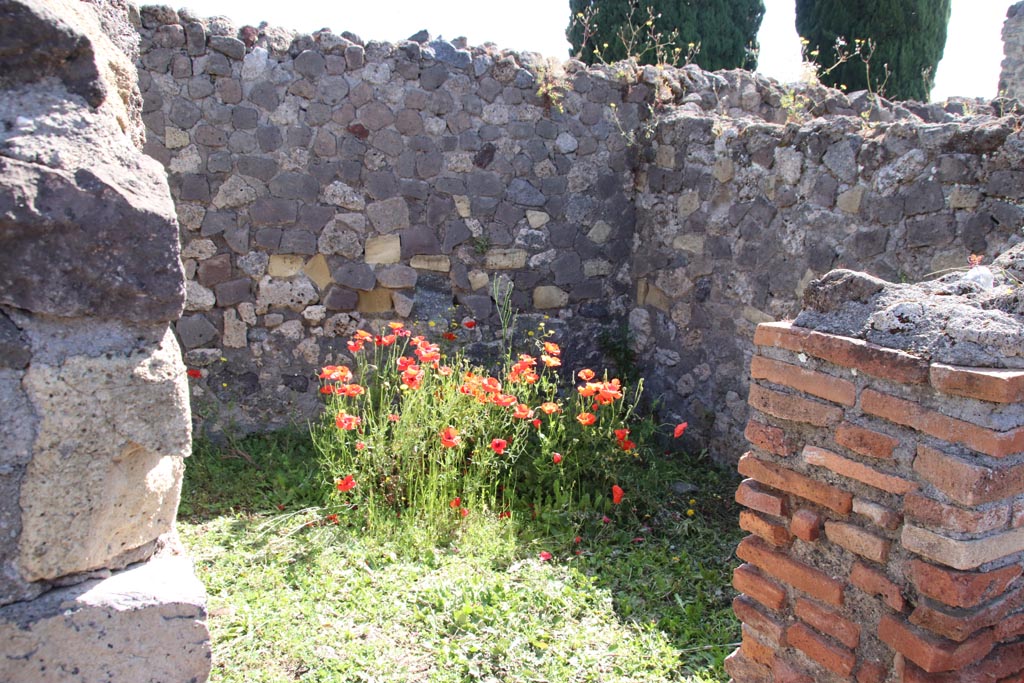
865	441
782	567
870	359
829	622
742	668
755	649
787	672
932	653
965	482
747	611
995	386
880	515
793	408
806	524
748	580
963	624
1004	665
768	438
858	540
871	672
874	582
773	532
831	656
785	479
1010	628
910	414
752	495
960	589
934	514
818	384
857	471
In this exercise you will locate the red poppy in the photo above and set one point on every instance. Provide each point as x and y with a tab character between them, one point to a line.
333	519
621	434
606	520
680	428
536	423
346	484
578	539
194	373
450	336
586	374
336	373
455	502
405	362
491	385
544	555
586	419
355	346
617	494
347	422
450	437
504	400
627	445
469	323
504	514
464	512
499	445
350	390
394	417
522	412
360	445
556	458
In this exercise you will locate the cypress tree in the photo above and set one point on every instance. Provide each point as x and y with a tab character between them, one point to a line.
725	30
907	36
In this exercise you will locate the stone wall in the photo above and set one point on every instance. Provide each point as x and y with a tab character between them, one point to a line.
883	490
92	387
322	181
736	216
1011	79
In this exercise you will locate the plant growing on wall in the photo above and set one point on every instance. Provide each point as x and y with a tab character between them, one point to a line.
898	43
662	31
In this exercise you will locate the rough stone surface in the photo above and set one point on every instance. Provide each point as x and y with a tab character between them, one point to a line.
69	634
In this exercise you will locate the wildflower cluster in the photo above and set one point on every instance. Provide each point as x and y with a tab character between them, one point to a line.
413	428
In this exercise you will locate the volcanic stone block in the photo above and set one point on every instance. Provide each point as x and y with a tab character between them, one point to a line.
150	616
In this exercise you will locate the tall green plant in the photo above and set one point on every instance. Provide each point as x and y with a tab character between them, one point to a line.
895	45
653	31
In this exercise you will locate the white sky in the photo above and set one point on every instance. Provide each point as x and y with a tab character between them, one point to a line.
970	66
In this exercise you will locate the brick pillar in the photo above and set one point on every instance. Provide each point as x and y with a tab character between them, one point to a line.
883	501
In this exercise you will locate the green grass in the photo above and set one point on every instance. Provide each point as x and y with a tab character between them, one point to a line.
644	596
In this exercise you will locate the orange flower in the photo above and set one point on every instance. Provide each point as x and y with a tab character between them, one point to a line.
394	417
552	348
549	408
556	458
680	428
413	377
522	412
404	362
450	437
444	371
499	445
586	419
355	346
346	484
491	385
609	392
455	503
360	445
387	340
589	389
586	374
362	335
617	494
504	400
336	373
350	390
396	325
550	361
347	422
464	512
